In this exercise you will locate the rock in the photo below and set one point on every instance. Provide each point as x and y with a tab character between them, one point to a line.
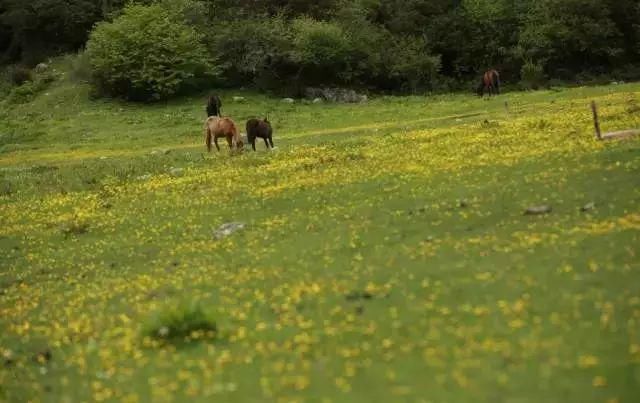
227	229
104	158
41	68
317	100
239	99
588	207
334	95
154	152
288	100
176	172
166	152
538	210
144	177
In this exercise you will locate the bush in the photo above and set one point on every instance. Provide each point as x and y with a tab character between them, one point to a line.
20	75
146	54
322	51
412	66
253	51
532	75
182	323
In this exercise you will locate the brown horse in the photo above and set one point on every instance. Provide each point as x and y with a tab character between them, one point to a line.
259	128
490	83
216	127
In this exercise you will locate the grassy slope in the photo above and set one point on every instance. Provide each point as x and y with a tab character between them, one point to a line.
476	303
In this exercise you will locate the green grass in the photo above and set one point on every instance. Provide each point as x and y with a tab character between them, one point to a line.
386	256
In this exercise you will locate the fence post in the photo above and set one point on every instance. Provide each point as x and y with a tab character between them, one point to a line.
596	121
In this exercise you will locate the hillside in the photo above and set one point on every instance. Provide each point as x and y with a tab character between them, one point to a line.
385	254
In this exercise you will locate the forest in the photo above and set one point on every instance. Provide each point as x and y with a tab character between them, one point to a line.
399	46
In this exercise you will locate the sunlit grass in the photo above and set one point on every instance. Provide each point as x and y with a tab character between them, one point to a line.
385	255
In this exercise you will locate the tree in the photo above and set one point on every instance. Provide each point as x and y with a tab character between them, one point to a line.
147	53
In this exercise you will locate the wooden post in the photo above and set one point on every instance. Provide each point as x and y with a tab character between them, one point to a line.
596	122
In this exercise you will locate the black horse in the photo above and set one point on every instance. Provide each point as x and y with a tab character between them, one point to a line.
259	128
214	106
490	83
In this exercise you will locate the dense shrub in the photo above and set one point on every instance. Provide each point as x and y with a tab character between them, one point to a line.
253	51
412	66
147	53
321	50
20	74
532	75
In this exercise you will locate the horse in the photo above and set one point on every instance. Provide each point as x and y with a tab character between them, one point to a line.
259	128
216	127
214	106
490	83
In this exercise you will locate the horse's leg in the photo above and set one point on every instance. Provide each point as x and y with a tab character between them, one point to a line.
229	142
215	140
271	140
266	142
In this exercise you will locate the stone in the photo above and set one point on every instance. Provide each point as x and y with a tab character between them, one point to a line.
41	68
538	210
176	172
239	99
288	100
227	229
317	100
588	207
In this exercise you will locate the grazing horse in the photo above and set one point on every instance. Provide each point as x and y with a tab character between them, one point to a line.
216	127
259	128
490	83
214	106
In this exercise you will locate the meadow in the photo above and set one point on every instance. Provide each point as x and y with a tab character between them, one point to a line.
385	256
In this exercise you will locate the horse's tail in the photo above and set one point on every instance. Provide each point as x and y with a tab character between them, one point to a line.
235	135
496	77
207	135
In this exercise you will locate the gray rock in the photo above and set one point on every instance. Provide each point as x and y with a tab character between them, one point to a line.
288	100
588	207
41	68
239	99
227	229
538	210
176	172
317	100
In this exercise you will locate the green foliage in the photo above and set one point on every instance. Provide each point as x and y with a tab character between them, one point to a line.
321	49
180	323
570	35
255	50
146	54
41	28
532	75
412	65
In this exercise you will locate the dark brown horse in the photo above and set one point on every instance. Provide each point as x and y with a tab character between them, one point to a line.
216	127
259	128
214	106
490	83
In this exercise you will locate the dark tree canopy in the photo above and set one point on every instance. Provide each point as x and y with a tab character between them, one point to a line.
385	44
